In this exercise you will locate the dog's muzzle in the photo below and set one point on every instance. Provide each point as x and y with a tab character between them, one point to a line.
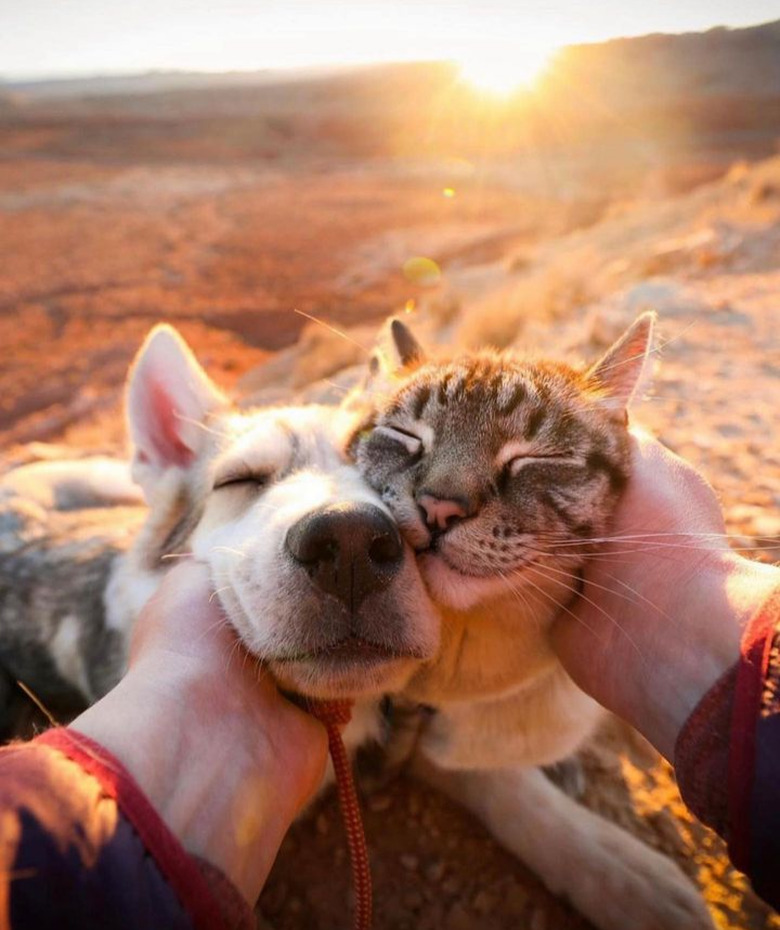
349	550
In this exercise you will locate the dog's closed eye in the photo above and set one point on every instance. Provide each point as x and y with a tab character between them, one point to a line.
234	479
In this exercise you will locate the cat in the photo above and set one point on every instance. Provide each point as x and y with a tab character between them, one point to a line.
499	470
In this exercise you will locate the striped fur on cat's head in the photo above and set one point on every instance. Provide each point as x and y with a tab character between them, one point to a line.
499	468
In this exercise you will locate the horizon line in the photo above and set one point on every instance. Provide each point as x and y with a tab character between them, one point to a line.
12	78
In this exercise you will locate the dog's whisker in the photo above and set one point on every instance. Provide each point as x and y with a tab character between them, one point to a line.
201	425
230	550
217	592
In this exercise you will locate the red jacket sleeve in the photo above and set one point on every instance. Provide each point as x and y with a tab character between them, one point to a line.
727	756
82	847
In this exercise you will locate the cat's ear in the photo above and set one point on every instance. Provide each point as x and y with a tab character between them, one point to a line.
168	399
397	350
407	350
620	374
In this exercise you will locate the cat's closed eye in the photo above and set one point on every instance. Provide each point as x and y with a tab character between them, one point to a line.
515	465
410	442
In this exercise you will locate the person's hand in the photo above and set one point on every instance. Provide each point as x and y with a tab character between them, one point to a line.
226	761
664	603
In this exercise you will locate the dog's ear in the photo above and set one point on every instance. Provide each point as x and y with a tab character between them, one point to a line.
622	371
168	399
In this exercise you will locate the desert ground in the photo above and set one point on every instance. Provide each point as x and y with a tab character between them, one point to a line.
109	224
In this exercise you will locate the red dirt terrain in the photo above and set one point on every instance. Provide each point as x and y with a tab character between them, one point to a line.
93	256
116	213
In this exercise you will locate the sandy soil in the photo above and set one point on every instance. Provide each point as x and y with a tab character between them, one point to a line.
95	252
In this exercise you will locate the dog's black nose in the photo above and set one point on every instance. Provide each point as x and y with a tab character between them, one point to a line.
350	550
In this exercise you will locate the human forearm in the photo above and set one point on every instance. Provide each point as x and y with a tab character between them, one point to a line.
223	802
224	759
705	611
651	647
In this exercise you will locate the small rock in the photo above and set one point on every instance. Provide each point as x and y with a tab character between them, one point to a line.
458	918
322	825
435	871
432	917
274	898
484	902
450	885
380	802
410	862
538	921
515	900
730	430
413	900
767	525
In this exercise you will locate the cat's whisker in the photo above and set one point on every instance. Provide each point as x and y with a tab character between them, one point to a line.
642	598
555	601
175	555
664	553
670	535
518	595
332	329
566	574
347	390
597	607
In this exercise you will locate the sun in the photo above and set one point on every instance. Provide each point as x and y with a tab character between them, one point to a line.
501	74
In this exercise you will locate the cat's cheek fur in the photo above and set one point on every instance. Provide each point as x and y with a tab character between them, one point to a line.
453	589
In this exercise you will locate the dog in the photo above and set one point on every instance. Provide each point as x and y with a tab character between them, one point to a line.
308	565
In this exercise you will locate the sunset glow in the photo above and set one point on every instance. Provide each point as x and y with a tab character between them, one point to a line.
502	74
501	46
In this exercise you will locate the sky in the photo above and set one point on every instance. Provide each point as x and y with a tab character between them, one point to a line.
43	38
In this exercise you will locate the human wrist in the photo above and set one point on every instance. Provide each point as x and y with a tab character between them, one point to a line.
185	738
710	606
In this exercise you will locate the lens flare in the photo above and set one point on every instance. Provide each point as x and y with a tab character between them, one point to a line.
499	73
422	271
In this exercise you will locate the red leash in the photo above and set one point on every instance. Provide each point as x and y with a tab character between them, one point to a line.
336	714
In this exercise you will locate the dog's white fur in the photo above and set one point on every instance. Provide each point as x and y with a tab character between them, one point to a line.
187	438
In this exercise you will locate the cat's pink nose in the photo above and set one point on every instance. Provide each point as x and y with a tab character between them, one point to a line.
439	512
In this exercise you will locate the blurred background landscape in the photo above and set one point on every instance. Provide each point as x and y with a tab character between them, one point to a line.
522	192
